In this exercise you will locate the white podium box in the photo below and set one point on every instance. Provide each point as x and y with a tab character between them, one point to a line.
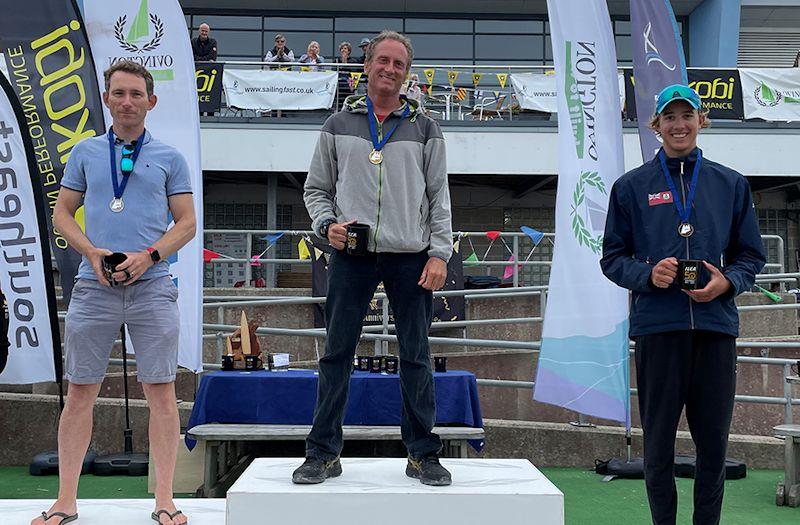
371	491
114	512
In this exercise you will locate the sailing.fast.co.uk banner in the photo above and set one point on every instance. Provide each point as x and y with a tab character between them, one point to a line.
50	67
26	276
771	94
658	62
289	90
154	35
583	364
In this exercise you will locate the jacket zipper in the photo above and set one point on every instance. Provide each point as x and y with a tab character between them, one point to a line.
683	198
380	186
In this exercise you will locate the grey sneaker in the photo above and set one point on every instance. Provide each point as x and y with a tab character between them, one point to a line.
428	471
315	470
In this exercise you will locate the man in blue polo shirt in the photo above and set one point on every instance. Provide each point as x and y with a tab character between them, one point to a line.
130	183
682	206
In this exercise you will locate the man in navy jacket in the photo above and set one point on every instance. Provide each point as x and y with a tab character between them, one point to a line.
683	206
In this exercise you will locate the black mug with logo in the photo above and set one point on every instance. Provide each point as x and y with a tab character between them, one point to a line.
440	363
357	239
689	274
110	263
391	364
227	362
377	364
364	363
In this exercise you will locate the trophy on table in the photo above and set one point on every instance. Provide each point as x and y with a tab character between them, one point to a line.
243	351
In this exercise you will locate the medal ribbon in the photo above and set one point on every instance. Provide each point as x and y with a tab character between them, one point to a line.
119	189
683	211
373	127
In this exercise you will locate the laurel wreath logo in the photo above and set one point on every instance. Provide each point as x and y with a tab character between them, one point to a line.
582	233
119	28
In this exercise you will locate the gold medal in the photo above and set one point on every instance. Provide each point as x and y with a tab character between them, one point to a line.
685	229
376	156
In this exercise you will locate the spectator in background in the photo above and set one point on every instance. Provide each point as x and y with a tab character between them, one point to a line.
204	48
363	45
279	53
797	60
312	56
411	88
345	82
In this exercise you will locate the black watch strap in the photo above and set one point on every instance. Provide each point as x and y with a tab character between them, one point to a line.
323	229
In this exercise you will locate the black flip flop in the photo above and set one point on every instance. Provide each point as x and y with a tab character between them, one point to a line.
156	516
65	518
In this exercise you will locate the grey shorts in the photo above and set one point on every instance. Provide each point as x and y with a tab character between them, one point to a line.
148	308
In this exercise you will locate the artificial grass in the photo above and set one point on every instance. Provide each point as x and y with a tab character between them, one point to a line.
749	501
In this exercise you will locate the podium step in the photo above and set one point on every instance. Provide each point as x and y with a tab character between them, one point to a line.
373	491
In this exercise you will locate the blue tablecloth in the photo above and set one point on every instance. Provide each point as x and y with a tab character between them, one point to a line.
288	398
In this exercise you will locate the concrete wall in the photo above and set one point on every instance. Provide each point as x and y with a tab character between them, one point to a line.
714	34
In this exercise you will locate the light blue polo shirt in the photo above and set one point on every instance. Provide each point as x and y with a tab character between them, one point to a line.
159	172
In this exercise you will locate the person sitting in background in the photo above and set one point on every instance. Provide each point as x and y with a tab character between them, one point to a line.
363	45
279	53
312	56
204	48
345	82
411	88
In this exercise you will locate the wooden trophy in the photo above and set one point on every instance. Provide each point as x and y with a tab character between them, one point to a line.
243	345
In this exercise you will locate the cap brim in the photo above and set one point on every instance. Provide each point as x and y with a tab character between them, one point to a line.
670	101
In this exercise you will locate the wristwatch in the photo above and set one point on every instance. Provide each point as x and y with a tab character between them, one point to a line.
154	255
323	229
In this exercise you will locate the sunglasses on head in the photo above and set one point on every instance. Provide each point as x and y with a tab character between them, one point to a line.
126	164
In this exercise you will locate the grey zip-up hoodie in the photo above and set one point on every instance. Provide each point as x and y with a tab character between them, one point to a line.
405	200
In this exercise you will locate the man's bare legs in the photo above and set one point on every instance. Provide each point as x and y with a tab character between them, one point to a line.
74	435
163	431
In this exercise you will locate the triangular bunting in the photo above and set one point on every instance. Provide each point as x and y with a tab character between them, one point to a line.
472	260
429	73
452	76
502	78
209	256
356	77
476	79
302	250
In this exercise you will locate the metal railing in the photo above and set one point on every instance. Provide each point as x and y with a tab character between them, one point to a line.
514	250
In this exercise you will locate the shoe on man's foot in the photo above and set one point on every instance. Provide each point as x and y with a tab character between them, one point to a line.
315	470
428	471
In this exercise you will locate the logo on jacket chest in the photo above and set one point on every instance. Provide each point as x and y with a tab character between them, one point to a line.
662	197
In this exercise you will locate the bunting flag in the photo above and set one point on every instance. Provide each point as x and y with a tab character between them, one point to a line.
509	271
255	260
302	249
476	79
284	68
429	74
209	255
356	78
304	69
471	260
318	253
502	78
30	343
159	43
273	238
535	235
452	76
658	62
50	67
583	363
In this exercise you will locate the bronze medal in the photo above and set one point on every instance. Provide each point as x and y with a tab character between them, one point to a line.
685	229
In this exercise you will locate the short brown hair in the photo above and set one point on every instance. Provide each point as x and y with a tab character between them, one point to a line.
390	35
129	66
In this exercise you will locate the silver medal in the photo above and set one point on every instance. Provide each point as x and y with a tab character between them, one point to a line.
117	205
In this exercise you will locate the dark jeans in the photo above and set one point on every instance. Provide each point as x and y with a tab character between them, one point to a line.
352	281
696	369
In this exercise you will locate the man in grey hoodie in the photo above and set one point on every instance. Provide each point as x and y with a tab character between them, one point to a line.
380	162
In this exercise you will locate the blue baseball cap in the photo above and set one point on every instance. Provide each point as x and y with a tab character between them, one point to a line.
677	92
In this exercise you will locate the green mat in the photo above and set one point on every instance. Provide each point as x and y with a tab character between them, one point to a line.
749	501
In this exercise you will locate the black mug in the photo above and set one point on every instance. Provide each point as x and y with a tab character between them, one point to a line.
110	263
440	363
227	362
377	365
689	273
250	362
391	364
364	363
357	239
